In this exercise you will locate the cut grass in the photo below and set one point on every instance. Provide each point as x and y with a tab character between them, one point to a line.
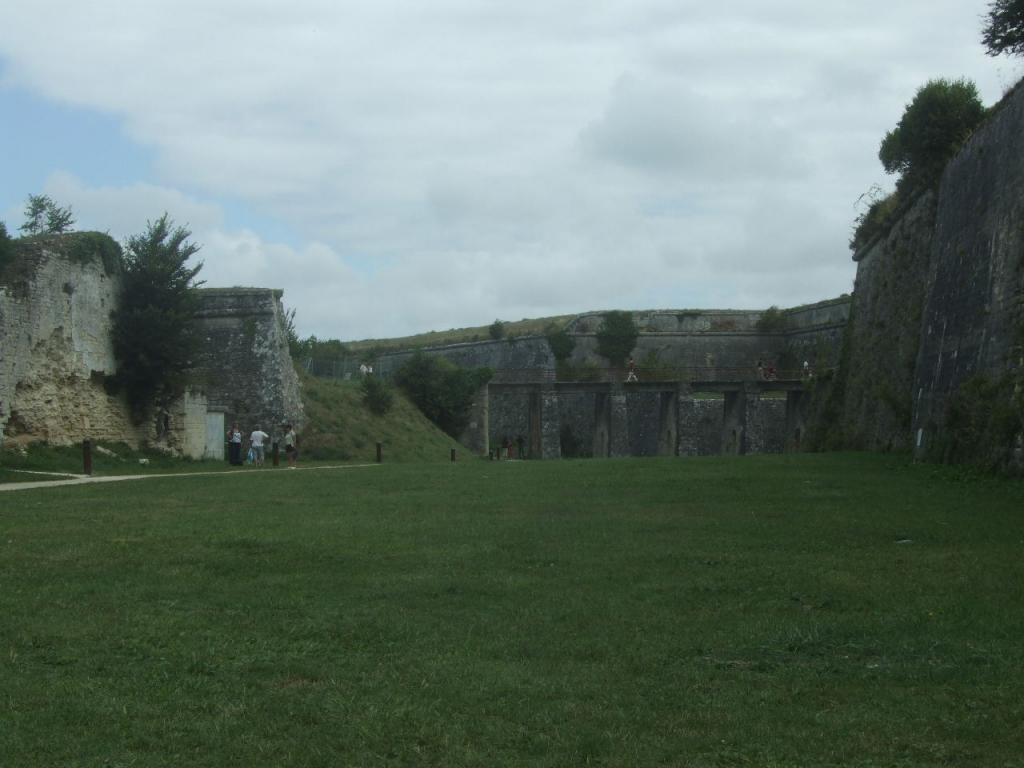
814	610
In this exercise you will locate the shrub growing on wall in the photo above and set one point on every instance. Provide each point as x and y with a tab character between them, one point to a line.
616	337
441	390
932	129
154	335
560	343
44	217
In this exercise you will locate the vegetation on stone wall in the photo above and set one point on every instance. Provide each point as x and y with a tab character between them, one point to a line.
616	337
44	217
496	330
442	391
1004	28
984	420
154	336
934	126
560	342
875	219
772	320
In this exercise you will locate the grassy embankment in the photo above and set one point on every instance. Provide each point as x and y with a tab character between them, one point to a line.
339	428
811	610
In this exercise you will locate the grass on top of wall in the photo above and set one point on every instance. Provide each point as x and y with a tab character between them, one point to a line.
812	610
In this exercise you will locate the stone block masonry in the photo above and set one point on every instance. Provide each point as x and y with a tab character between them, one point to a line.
245	367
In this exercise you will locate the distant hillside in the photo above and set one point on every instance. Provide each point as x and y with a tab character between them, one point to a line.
526	327
339	426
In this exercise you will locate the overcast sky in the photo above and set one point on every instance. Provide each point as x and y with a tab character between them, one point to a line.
399	166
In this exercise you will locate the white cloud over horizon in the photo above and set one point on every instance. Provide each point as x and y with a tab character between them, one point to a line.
443	164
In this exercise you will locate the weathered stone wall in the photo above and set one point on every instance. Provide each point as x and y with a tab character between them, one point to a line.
713	343
974	310
700	426
884	332
245	367
55	352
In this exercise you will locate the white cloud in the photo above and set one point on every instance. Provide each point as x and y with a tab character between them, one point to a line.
448	162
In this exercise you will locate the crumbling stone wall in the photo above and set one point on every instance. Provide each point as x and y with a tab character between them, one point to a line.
56	352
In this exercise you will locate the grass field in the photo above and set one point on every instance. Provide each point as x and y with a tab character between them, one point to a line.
813	610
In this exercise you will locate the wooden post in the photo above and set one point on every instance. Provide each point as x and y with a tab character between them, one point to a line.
87	456
380	450
275	453
453	455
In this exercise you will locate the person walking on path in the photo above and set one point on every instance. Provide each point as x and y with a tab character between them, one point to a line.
235	445
256	443
291	446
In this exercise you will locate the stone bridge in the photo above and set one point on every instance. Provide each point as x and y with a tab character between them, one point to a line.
665	414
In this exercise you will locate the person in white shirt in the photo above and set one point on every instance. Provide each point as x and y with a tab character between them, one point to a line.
256	443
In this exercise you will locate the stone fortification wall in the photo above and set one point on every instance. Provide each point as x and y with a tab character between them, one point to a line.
719	342
524	352
245	367
938	298
55	351
974	312
888	299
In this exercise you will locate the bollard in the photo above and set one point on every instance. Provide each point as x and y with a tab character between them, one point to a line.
87	456
380	448
274	453
453	455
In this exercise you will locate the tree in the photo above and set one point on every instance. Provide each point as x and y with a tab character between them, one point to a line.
6	245
441	390
496	330
934	126
1004	29
45	217
560	342
616	337
154	334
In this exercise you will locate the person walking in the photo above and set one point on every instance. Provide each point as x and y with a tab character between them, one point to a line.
256	443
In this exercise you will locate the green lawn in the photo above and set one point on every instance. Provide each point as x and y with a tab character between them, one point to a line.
813	610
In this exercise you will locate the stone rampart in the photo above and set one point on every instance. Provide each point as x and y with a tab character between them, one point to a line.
973	319
245	367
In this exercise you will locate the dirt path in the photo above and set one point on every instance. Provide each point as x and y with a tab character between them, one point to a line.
84	479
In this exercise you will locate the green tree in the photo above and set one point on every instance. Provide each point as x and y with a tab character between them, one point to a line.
1004	28
616	337
496	330
934	126
442	391
6	245
154	334
560	342
378	395
44	217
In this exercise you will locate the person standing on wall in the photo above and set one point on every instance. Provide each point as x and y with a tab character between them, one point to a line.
256	443
235	445
291	445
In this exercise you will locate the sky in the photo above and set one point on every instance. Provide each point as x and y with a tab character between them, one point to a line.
399	166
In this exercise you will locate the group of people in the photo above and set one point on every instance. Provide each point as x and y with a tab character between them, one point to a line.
257	445
766	371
